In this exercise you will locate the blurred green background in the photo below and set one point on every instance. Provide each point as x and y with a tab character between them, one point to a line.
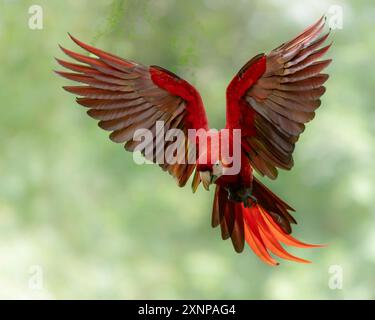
76	207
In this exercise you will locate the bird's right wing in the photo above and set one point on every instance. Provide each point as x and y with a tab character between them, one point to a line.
125	96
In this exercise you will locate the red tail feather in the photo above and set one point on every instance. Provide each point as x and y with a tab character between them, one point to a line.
262	229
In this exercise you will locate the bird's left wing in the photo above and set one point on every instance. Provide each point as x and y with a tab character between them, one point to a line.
125	96
274	95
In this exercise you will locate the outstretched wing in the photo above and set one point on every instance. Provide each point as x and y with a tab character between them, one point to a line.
274	95
125	96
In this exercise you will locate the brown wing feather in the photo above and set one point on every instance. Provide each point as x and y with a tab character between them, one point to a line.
122	96
285	99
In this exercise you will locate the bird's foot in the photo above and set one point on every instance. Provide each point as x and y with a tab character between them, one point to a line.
233	195
244	196
250	202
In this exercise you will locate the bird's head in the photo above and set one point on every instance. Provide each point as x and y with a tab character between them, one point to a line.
211	162
209	173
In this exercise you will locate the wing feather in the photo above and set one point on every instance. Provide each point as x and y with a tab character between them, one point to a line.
126	96
282	94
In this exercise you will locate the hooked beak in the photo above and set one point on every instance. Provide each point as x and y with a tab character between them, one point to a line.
206	178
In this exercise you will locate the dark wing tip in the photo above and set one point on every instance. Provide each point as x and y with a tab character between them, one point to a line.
75	40
59	73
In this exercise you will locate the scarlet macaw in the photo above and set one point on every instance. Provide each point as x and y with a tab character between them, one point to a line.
270	100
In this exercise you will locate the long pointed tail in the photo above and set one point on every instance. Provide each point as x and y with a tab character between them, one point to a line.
264	226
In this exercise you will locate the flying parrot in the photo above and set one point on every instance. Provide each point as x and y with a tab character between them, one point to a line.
269	100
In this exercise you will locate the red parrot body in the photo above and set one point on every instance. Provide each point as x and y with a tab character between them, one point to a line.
268	102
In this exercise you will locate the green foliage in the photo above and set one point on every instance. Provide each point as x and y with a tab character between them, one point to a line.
102	227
